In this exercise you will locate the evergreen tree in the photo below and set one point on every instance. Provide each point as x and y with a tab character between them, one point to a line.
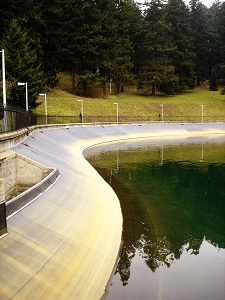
217	39
78	33
157	69
22	65
104	39
71	21
86	38
214	40
136	36
121	64
177	14
5	15
97	45
29	14
51	38
213	81
221	29
109	24
201	36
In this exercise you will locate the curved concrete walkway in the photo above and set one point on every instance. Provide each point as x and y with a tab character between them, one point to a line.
65	244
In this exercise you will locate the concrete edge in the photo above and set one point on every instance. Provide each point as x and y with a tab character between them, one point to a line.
11	139
27	197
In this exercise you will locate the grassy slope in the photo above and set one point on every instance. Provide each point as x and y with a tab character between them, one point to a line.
61	102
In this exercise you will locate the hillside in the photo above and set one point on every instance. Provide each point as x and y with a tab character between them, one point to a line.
186	106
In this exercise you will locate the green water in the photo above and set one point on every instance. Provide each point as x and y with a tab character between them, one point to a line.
173	205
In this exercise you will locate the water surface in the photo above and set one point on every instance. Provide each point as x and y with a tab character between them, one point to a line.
173	204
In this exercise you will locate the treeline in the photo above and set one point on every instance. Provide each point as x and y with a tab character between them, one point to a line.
164	46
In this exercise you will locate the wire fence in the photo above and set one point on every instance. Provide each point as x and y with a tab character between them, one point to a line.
40	120
12	119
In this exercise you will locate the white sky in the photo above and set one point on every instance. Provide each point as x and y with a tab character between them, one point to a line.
205	2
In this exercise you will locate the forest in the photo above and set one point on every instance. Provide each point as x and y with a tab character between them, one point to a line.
161	46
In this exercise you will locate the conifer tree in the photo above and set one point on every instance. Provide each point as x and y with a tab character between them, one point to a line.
201	39
213	81
177	14
22	65
99	40
122	48
221	29
216	16
157	68
51	35
136	36
6	15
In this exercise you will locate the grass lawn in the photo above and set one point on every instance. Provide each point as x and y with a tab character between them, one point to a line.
185	105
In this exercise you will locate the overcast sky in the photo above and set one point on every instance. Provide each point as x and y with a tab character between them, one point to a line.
205	2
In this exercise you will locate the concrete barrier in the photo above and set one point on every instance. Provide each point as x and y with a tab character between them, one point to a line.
27	197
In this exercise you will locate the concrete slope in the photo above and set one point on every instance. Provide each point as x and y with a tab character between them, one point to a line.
64	245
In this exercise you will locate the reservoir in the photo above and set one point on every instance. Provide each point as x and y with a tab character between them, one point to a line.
172	196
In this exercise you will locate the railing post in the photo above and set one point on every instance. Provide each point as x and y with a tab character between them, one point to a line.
3	223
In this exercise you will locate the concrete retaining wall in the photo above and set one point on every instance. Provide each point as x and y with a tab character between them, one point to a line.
19	173
11	139
31	194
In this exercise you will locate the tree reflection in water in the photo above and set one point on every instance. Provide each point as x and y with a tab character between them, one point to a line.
169	206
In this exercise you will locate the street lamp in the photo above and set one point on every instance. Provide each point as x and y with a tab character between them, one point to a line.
116	103
110	86
117	162
4	89
3	78
46	110
24	83
81	110
202	113
162	110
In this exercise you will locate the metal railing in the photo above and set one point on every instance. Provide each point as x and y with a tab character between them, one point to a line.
12	119
41	120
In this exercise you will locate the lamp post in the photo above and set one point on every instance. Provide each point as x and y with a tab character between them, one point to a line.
3	78
117	114
161	156
117	162
162	110
24	83
81	110
110	86
46	109
4	89
202	113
